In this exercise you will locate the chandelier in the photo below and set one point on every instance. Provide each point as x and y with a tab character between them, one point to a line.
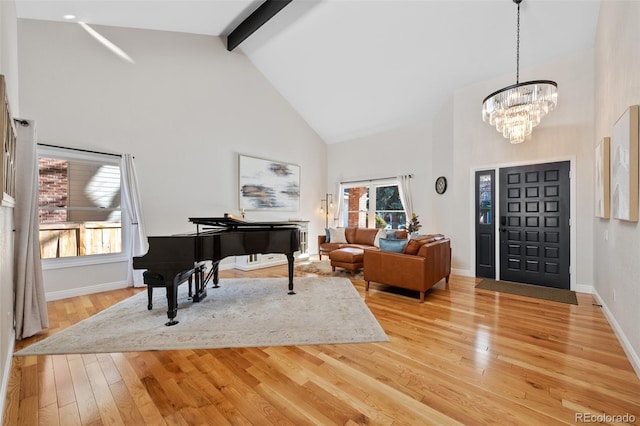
515	110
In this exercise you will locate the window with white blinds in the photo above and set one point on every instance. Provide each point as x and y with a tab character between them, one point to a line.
79	203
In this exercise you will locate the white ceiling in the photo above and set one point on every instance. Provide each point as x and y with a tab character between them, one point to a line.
356	67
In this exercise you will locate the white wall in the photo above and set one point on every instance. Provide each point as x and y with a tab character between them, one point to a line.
442	150
392	153
617	86
9	52
9	68
185	109
7	335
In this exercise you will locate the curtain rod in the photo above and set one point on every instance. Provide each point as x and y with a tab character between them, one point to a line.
373	180
23	123
80	149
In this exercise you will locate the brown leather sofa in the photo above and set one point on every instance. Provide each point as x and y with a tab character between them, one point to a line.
362	238
419	271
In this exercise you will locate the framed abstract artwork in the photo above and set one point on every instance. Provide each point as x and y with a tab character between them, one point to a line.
268	185
624	166
602	175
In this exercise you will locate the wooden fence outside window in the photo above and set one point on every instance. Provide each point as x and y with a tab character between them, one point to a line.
79	239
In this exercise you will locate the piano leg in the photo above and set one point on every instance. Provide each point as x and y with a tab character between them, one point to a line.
149	297
172	303
215	274
201	288
290	260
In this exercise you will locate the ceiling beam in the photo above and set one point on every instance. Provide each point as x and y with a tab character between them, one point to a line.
259	17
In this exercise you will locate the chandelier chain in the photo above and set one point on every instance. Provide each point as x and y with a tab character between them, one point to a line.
518	48
516	109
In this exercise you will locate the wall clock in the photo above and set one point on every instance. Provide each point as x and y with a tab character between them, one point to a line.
441	185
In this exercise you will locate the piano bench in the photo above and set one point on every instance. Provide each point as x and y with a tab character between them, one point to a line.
153	279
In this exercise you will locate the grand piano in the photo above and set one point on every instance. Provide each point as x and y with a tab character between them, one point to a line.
172	260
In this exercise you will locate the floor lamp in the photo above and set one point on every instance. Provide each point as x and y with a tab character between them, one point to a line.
325	204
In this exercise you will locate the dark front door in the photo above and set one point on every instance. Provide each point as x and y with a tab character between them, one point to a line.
485	224
534	224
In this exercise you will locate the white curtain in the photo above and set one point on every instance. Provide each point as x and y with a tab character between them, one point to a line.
404	188
30	304
337	206
137	238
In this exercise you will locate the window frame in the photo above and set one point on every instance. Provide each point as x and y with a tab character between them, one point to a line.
91	259
371	186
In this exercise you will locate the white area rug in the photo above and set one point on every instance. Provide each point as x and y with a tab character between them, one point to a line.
242	312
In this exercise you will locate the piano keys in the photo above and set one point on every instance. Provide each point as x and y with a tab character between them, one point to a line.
171	260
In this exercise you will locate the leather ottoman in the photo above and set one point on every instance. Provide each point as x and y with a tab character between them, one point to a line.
348	258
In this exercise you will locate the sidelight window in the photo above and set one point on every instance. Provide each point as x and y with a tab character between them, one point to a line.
484	198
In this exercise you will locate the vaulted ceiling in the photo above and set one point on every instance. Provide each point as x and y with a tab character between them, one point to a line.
357	67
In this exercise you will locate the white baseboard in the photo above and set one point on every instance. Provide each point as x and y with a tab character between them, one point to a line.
634	359
81	291
4	386
260	265
583	288
462	272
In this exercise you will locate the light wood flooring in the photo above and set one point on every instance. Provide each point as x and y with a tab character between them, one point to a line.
464	356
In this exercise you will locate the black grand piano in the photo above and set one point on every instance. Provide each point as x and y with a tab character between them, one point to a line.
172	260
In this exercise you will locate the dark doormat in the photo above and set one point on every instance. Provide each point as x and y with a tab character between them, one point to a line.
537	291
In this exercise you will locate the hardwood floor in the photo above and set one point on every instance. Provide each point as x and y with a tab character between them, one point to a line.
464	356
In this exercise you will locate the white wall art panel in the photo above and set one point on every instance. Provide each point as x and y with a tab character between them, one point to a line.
624	166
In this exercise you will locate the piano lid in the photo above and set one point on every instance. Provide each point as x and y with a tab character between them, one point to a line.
231	222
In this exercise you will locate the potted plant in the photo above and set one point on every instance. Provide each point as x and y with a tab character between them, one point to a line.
413	226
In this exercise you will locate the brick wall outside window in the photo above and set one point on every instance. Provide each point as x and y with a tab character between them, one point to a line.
53	185
354	216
